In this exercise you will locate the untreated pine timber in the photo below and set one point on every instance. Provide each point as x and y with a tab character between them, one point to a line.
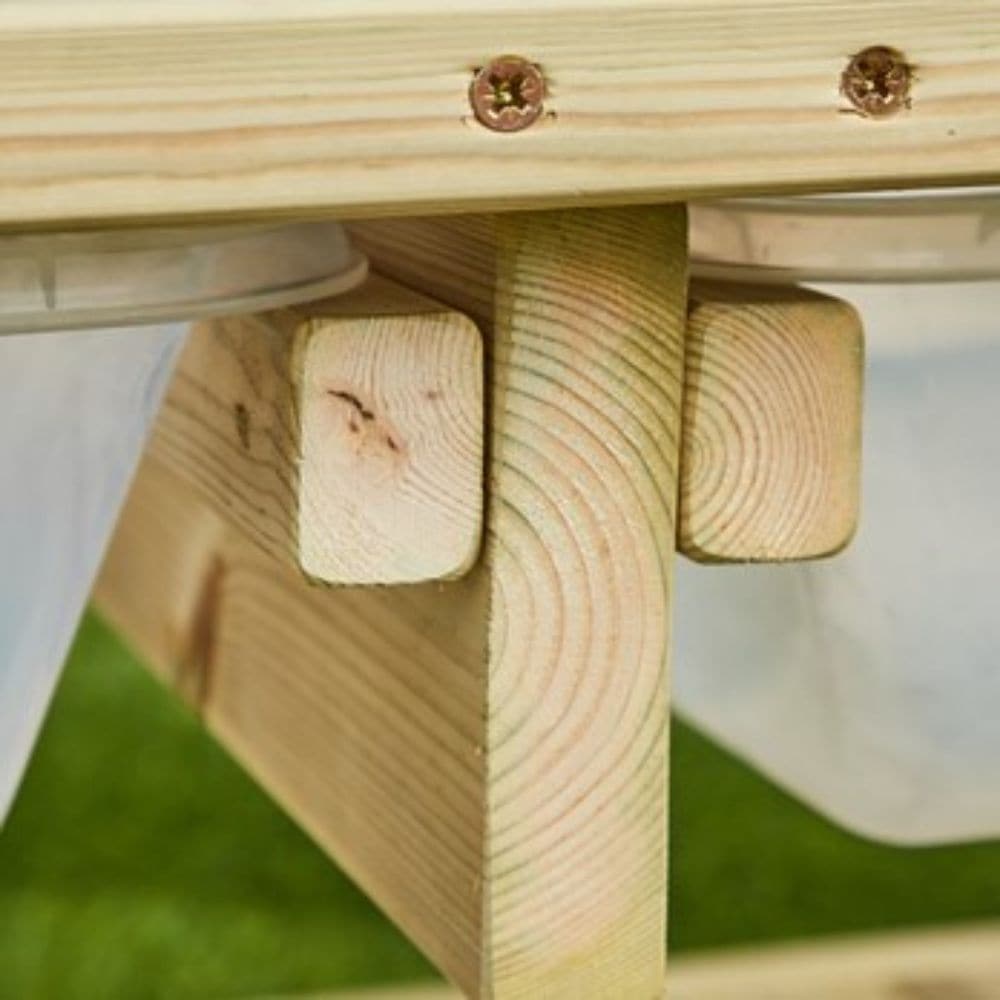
487	757
348	435
771	453
345	435
942	964
140	110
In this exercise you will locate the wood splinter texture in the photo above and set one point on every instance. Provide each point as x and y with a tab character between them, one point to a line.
770	467
346	435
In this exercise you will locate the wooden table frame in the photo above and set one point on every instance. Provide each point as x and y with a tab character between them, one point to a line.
485	755
137	110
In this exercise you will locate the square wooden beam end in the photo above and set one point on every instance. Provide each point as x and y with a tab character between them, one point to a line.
771	453
346	435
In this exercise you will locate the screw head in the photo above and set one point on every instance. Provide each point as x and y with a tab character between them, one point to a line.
877	81
508	94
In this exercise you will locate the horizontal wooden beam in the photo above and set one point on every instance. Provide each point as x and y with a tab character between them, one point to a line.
952	964
144	111
344	435
955	964
771	436
347	435
771	455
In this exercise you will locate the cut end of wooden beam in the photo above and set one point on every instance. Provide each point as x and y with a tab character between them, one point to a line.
771	456
344	436
391	425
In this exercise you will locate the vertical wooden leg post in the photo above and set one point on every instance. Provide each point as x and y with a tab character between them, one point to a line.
487	757
585	313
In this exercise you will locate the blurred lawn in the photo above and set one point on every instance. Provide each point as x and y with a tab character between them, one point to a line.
140	862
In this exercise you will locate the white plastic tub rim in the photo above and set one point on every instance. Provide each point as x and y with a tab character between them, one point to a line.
87	280
76	406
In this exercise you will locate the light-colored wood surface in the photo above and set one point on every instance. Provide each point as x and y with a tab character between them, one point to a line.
488	758
390	409
346	435
588	317
771	455
147	110
959	964
359	709
587	368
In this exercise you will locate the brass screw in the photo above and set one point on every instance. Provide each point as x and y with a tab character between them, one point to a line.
508	94
877	81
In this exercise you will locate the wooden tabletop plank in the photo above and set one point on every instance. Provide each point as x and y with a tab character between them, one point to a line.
139	110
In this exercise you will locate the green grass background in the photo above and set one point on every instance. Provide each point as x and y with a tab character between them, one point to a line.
140	862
